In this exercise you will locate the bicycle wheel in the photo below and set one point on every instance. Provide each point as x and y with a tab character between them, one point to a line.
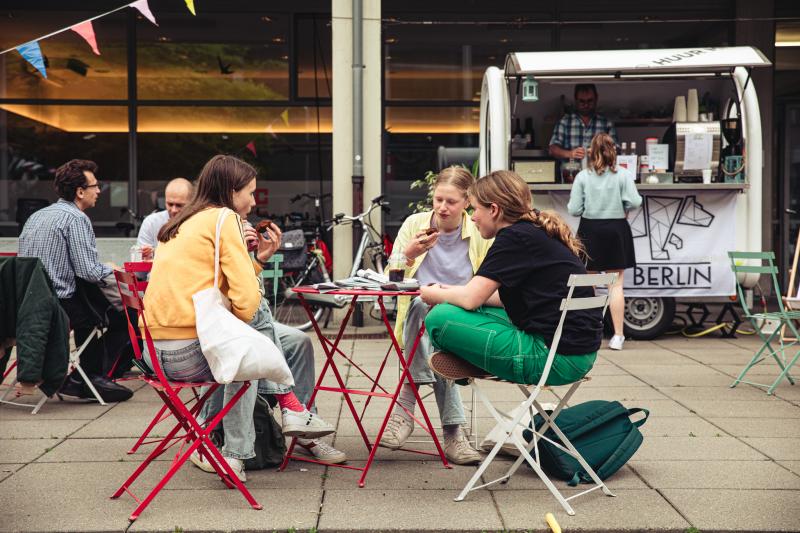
289	310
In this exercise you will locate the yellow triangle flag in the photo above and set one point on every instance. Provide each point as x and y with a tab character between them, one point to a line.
190	5
285	117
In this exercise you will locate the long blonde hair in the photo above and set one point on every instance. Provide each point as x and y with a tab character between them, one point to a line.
511	194
603	153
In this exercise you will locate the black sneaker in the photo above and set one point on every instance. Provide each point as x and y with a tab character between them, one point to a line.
108	390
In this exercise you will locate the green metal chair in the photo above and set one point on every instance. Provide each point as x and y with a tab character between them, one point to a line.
784	317
274	272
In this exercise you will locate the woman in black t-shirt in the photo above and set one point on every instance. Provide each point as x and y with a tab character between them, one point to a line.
503	321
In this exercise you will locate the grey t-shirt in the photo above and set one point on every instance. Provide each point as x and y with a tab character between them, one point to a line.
447	262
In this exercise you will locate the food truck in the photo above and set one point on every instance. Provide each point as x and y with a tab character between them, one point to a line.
693	115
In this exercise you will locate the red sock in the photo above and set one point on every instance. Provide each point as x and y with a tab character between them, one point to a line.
289	401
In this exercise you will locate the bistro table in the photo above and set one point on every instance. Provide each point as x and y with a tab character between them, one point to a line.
332	349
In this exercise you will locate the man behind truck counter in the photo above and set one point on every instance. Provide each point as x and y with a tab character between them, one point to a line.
574	132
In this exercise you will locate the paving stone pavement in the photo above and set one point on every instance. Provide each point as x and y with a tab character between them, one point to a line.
714	459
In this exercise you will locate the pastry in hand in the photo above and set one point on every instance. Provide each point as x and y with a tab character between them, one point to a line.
262	226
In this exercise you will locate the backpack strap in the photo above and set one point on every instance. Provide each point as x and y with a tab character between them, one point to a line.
639	423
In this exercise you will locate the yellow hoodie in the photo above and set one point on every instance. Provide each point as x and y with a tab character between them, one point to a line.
184	265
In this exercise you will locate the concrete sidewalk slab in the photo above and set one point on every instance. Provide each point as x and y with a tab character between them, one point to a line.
736	510
630	510
713	458
741	475
407	511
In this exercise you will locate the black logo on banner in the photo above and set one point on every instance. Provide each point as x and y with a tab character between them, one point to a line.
662	220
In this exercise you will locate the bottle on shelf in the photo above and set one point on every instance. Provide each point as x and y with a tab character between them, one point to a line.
528	133
635	162
623	148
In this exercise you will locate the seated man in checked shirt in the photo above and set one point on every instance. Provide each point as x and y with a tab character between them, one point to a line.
61	235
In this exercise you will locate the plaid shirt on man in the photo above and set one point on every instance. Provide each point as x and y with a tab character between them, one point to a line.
571	133
61	235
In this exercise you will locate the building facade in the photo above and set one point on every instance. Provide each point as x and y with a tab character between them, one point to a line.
256	80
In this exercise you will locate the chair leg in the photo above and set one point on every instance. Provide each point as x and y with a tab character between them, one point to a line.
89	384
756	357
784	374
156	419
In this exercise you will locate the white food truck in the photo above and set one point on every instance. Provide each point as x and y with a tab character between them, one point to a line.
696	109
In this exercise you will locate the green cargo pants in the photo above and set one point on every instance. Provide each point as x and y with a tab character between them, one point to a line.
486	338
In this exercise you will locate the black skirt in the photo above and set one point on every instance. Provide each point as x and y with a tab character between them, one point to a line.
608	243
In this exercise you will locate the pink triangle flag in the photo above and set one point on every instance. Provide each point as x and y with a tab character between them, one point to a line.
252	147
86	30
144	9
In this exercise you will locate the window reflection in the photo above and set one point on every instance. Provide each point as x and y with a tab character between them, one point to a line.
73	70
218	56
35	148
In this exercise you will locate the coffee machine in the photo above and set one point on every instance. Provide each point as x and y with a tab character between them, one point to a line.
732	168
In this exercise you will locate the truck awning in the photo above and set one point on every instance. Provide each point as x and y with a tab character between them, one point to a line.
634	62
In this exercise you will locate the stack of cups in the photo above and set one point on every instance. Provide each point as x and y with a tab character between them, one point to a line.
679	111
692	106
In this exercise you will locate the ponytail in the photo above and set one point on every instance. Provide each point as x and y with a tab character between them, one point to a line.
512	196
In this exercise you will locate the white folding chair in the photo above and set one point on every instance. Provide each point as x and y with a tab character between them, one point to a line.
75	361
532	402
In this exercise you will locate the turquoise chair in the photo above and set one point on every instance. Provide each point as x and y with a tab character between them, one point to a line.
273	272
782	316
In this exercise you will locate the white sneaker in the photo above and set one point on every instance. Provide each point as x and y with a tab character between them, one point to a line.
236	464
616	342
320	450
459	451
304	424
397	431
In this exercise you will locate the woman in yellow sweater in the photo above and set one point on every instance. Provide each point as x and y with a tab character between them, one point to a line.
184	265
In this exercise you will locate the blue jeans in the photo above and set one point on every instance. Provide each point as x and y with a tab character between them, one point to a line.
299	353
189	364
448	399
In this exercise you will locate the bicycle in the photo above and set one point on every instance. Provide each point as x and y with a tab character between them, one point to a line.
369	253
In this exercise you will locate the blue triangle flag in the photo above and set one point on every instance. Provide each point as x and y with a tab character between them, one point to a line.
33	55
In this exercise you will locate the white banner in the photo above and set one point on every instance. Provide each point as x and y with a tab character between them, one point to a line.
682	240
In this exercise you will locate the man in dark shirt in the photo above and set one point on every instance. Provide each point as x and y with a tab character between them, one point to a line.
61	235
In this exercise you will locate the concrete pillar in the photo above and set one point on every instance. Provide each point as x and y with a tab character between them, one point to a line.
342	30
761	34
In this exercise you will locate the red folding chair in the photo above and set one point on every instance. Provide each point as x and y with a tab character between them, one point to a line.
144	267
196	437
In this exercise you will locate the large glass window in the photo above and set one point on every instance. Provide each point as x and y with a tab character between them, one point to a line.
35	140
73	70
214	56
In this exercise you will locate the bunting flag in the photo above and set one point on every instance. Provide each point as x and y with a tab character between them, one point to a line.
271	132
252	147
144	9
86	30
33	55
190	5
285	117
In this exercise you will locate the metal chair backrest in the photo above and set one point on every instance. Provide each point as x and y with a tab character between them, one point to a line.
760	268
130	291
571	303
274	272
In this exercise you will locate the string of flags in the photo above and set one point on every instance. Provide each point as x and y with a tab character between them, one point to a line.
32	52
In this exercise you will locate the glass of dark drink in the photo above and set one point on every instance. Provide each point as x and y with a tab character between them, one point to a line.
397	267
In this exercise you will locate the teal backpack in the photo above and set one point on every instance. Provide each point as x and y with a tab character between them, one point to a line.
601	431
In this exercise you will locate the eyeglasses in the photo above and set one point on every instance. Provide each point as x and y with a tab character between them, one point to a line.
97	184
587	101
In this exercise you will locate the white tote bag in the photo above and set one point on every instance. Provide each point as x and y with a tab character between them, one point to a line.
234	350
